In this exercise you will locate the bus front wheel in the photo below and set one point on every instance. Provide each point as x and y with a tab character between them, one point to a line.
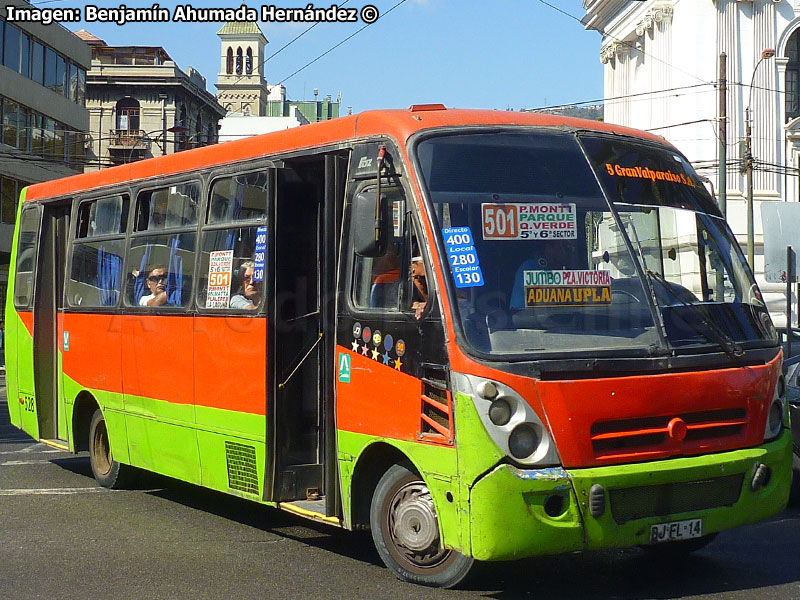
108	472
405	530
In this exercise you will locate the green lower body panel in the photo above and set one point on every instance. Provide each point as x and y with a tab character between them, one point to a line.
508	519
517	513
714	487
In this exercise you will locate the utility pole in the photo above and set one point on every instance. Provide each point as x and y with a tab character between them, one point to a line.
748	170
748	165
723	134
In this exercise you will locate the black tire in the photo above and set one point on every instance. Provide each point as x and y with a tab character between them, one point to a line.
405	530
108	472
680	548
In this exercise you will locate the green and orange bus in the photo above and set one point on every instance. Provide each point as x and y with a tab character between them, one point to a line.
482	335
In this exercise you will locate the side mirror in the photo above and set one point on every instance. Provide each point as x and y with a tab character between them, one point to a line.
370	224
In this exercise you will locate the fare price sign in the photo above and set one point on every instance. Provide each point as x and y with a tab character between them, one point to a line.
529	221
463	258
260	254
220	267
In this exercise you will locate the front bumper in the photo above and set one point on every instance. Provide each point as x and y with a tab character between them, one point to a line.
513	513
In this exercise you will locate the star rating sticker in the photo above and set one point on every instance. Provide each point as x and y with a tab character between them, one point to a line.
397	364
365	350
386	358
355	345
375	355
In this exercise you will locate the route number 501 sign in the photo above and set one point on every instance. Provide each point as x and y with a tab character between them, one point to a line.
528	221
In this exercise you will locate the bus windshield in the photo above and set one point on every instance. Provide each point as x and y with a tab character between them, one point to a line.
544	260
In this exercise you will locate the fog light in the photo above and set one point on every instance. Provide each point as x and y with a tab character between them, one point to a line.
555	505
761	476
500	412
523	441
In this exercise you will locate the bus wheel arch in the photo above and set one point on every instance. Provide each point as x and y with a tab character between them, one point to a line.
373	462
82	412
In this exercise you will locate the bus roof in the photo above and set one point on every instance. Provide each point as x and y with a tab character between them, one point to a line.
399	124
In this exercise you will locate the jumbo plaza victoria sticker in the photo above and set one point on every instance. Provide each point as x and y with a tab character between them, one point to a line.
567	288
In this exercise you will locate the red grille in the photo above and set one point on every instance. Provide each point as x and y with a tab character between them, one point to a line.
665	435
436	416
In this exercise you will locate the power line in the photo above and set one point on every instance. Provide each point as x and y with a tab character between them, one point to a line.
616	98
286	45
680	124
627	44
351	36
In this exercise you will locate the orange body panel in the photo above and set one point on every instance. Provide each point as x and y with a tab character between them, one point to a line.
399	124
157	357
27	320
573	407
379	400
94	341
231	363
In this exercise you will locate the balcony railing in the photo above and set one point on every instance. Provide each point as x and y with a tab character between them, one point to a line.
128	139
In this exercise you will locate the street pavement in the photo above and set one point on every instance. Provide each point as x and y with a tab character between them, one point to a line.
63	537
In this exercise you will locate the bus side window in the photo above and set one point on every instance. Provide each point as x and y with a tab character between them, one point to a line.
233	250
378	281
96	272
396	281
162	249
26	256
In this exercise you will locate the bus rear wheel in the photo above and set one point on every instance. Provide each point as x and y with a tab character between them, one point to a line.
405	530
108	472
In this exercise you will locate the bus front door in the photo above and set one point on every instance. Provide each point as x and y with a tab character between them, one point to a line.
296	325
47	322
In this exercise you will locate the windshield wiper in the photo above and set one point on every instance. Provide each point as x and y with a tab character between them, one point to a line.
712	332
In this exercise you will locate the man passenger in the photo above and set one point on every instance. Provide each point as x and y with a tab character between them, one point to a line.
157	284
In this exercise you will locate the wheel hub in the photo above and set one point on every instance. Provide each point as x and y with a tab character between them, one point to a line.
414	525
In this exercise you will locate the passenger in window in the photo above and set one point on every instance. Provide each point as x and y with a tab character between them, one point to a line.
157	284
249	294
420	298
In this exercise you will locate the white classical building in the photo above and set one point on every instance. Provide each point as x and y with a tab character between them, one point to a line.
661	65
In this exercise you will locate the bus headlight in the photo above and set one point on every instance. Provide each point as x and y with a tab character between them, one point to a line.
500	412
777	411
509	420
523	441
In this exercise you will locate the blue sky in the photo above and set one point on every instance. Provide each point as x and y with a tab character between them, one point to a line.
494	54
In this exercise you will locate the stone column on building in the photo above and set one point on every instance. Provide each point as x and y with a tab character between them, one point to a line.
764	107
728	42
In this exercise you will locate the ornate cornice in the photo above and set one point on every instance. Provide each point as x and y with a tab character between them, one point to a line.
661	13
657	14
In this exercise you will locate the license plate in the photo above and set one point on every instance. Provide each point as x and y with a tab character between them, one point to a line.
677	530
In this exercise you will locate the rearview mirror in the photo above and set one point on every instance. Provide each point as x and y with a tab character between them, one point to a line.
370	224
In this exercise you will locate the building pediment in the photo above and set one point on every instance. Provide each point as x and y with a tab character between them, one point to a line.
793	129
